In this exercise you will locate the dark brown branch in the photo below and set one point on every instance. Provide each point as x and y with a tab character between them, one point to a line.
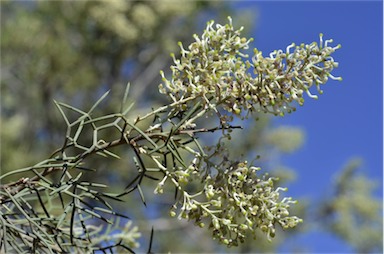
22	183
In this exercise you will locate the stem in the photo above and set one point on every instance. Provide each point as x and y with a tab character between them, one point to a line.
53	164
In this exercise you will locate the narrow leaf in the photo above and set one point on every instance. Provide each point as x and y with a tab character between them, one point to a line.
141	195
98	101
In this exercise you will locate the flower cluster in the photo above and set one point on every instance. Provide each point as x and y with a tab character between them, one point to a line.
237	201
214	69
209	68
283	77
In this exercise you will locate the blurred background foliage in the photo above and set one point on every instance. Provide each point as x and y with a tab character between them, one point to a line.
74	51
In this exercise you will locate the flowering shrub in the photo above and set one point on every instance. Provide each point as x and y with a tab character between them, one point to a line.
215	71
213	77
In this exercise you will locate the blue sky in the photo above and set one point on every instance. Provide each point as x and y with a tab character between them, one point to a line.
347	120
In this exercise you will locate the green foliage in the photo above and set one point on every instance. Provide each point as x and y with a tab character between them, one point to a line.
286	138
55	210
69	51
352	213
